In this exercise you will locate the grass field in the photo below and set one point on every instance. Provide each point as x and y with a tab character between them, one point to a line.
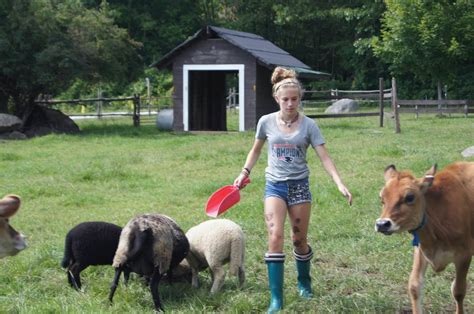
112	171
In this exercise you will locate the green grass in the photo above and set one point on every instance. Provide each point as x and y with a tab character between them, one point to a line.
112	171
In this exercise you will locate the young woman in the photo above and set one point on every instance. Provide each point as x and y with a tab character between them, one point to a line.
289	133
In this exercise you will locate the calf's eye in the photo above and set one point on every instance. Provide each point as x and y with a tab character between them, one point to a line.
410	199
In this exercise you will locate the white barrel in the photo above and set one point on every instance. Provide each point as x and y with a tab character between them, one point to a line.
164	120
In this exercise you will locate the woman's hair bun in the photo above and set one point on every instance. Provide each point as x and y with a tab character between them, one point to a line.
281	73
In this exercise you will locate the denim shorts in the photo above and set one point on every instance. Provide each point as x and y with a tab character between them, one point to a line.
292	191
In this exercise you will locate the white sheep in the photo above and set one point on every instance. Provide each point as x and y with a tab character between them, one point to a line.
212	244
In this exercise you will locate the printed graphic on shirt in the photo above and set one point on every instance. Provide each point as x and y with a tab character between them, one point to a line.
286	152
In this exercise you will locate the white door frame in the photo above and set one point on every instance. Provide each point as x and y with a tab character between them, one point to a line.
213	67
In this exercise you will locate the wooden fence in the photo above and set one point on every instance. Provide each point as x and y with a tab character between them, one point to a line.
440	106
135	114
379	96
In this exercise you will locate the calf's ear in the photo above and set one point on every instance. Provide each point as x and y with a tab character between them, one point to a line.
389	172
9	205
427	181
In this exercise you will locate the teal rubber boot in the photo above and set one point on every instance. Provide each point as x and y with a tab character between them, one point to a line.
303	266
304	279
275	279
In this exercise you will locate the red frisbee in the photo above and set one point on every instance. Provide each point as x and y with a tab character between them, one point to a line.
223	199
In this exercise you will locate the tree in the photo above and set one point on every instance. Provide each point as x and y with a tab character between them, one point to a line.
331	36
431	41
160	25
45	45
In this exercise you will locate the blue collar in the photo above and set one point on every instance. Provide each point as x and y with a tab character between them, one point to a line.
414	232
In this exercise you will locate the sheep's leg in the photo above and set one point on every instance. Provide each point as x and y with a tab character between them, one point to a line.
155	280
114	285
219	276
170	276
195	278
74	275
126	275
241	276
71	280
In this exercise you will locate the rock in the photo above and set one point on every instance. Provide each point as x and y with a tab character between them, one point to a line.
9	123
15	135
42	121
468	152
343	105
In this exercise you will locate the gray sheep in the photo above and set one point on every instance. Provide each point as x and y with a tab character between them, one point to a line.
150	245
90	243
214	243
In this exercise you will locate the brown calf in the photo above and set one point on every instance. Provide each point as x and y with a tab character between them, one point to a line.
11	242
439	211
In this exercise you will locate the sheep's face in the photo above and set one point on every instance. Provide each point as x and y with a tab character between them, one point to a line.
141	266
182	272
182	269
11	241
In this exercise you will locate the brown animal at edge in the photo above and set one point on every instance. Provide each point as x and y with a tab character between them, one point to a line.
11	241
439	211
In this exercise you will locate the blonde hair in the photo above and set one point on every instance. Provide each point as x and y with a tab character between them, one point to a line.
283	77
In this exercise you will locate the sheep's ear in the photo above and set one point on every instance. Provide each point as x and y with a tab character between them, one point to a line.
9	205
389	172
427	181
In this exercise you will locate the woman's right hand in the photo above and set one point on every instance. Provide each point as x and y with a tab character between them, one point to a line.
238	181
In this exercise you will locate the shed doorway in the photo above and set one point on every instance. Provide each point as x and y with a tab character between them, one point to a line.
204	97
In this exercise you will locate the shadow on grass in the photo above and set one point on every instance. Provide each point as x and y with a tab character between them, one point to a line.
122	129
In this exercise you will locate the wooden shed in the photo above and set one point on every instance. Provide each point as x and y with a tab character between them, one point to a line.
201	65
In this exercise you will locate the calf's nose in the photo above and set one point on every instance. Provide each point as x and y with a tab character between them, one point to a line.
383	225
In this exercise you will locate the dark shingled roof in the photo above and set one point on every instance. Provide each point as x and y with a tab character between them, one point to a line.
266	53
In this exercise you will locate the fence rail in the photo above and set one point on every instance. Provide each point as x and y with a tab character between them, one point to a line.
78	101
99	103
343	115
336	94
430	102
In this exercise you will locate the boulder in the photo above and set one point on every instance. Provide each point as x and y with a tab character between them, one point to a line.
14	135
343	105
43	121
468	152
9	123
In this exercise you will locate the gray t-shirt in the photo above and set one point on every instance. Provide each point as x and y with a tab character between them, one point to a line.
287	152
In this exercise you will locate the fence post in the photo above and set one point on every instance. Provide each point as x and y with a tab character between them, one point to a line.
234	97
136	110
99	103
148	95
440	97
381	100
395	106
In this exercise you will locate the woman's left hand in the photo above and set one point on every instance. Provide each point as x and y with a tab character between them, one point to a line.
342	188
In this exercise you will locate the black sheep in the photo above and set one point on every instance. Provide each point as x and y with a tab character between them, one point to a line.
90	243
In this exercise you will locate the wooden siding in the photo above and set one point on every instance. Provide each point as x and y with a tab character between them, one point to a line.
266	102
214	51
